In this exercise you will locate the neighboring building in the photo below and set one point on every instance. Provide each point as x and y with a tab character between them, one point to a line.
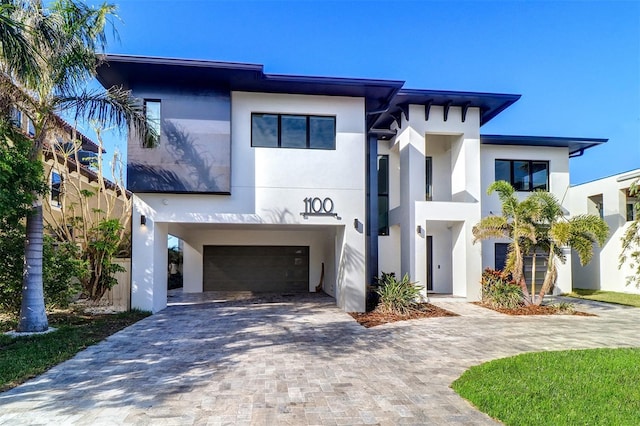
610	199
282	183
68	159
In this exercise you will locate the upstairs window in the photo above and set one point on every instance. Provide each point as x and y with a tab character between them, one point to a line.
15	117
632	211
383	195
524	175
293	131
31	129
56	189
428	168
153	116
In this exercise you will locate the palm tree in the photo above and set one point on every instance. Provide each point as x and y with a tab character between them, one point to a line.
515	224
555	231
64	39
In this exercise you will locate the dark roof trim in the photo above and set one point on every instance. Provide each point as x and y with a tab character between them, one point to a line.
575	145
199	63
490	104
133	71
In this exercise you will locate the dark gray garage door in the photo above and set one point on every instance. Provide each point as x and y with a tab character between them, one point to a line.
256	268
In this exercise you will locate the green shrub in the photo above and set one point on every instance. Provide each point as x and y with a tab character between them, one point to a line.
62	270
397	296
499	291
62	267
11	268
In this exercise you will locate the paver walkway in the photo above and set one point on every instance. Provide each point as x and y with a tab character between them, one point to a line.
296	361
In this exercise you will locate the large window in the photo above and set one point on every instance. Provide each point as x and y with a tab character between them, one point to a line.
293	131
383	195
56	189
153	116
524	175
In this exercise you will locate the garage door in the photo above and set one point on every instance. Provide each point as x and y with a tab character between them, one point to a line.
256	268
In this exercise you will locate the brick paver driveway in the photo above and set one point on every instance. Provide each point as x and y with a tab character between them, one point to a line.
296	361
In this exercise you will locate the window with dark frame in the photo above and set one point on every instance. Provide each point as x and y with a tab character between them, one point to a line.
383	195
153	116
429	179
293	131
31	128
16	117
631	201
500	256
524	175
56	189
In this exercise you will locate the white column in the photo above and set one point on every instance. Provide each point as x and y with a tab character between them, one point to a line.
192	268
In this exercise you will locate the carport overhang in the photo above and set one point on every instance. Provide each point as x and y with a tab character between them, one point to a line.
325	243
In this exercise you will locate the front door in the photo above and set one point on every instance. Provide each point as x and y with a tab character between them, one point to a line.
429	263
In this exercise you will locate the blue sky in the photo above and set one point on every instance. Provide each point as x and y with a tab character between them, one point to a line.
576	64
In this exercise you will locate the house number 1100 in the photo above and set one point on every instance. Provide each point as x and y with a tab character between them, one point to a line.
315	206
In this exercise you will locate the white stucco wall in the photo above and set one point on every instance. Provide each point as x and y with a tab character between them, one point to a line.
454	146
602	273
268	188
558	159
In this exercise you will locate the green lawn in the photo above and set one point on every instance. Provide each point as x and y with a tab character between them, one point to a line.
607	296
586	387
25	357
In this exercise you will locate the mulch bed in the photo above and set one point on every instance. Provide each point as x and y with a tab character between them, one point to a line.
375	317
535	310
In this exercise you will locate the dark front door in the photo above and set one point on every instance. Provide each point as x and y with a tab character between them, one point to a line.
429	263
256	268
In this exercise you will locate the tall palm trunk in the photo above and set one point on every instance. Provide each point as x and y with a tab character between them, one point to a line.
518	275
550	276
33	317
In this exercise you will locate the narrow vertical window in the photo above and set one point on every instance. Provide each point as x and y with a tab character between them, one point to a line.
429	179
500	256
31	129
16	117
383	195
153	116
56	189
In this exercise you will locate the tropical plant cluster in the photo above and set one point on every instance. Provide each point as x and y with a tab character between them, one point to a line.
631	241
48	52
499	290
538	222
397	296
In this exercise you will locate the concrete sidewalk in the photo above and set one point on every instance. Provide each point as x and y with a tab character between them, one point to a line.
295	360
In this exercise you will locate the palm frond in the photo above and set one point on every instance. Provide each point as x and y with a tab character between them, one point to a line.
491	227
113	107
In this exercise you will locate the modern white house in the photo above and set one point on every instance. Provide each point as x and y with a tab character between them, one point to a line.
608	197
286	183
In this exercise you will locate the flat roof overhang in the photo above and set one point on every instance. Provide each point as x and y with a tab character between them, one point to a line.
576	146
130	71
490	104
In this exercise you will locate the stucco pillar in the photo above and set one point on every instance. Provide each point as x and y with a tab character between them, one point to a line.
412	189
192	268
148	260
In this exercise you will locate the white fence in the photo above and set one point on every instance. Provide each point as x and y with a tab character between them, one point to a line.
120	295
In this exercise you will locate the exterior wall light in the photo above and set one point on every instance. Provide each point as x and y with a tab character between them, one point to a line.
143	220
419	230
356	223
